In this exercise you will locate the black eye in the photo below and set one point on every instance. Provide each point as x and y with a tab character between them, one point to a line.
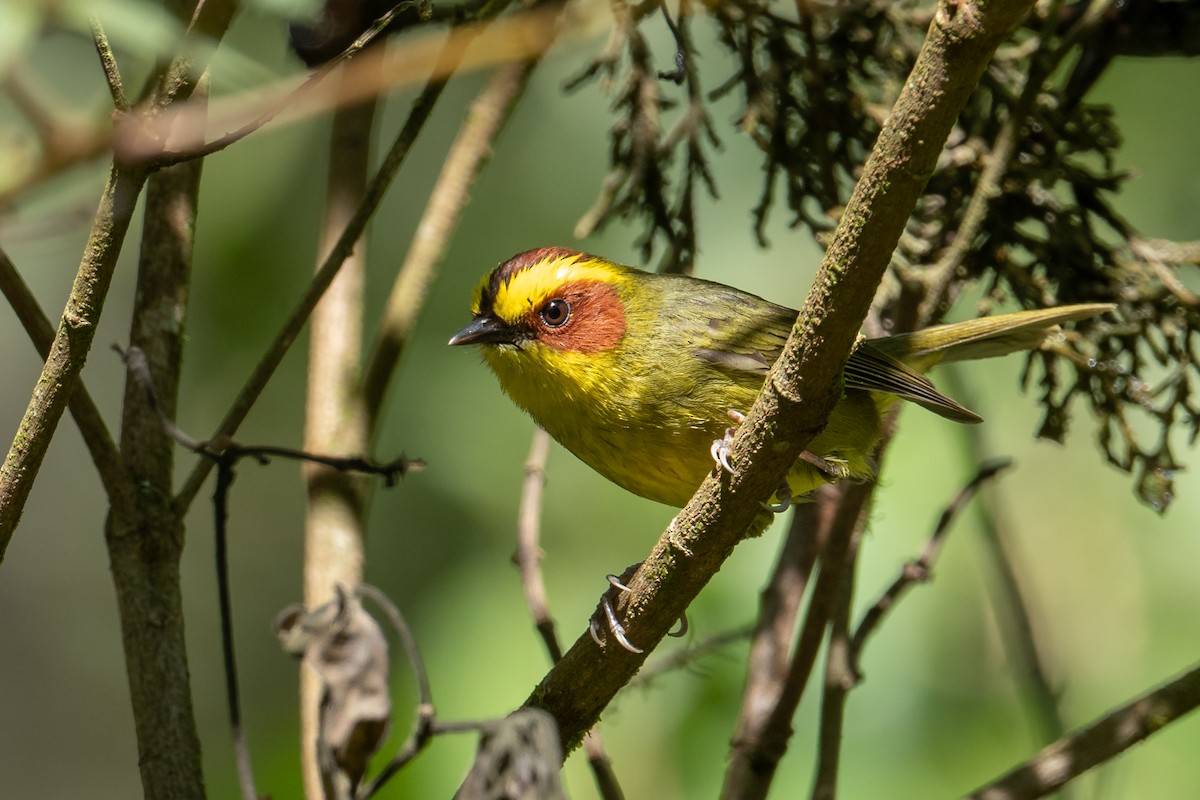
556	313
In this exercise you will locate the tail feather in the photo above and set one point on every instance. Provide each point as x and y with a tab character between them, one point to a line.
984	337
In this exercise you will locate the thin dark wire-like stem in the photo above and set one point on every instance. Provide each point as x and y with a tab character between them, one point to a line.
241	746
225	459
389	471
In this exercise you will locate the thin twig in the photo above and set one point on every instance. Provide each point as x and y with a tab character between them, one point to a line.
920	569
292	98
755	756
529	553
222	449
257	381
1015	613
529	559
226	455
96	436
839	680
370	74
108	63
467	157
69	350
1087	747
779	608
241	746
940	277
425	719
684	657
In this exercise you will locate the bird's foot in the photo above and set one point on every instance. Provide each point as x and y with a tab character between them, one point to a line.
607	611
723	447
834	468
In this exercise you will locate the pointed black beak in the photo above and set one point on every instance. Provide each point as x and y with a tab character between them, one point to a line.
485	330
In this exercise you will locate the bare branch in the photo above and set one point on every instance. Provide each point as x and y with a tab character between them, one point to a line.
839	680
70	347
529	553
919	570
368	75
756	751
96	435
257	381
108	62
778	612
1087	747
466	159
334	423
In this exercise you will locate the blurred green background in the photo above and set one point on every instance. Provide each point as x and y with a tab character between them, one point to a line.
1115	588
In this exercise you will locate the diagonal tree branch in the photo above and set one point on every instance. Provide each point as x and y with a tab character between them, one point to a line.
467	157
421	109
96	436
803	386
69	349
1082	749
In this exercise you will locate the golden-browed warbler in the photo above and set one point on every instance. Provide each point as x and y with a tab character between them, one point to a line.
636	372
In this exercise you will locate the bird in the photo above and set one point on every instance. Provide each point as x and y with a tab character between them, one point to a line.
638	373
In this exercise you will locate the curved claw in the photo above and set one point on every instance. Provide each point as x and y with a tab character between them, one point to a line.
720	452
722	448
618	630
615	582
784	493
683	627
614	625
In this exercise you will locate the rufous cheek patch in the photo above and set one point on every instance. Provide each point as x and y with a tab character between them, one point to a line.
597	321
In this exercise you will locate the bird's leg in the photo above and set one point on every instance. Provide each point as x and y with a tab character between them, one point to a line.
830	468
722	448
610	614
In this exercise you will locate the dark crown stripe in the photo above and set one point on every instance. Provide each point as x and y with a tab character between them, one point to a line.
522	261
